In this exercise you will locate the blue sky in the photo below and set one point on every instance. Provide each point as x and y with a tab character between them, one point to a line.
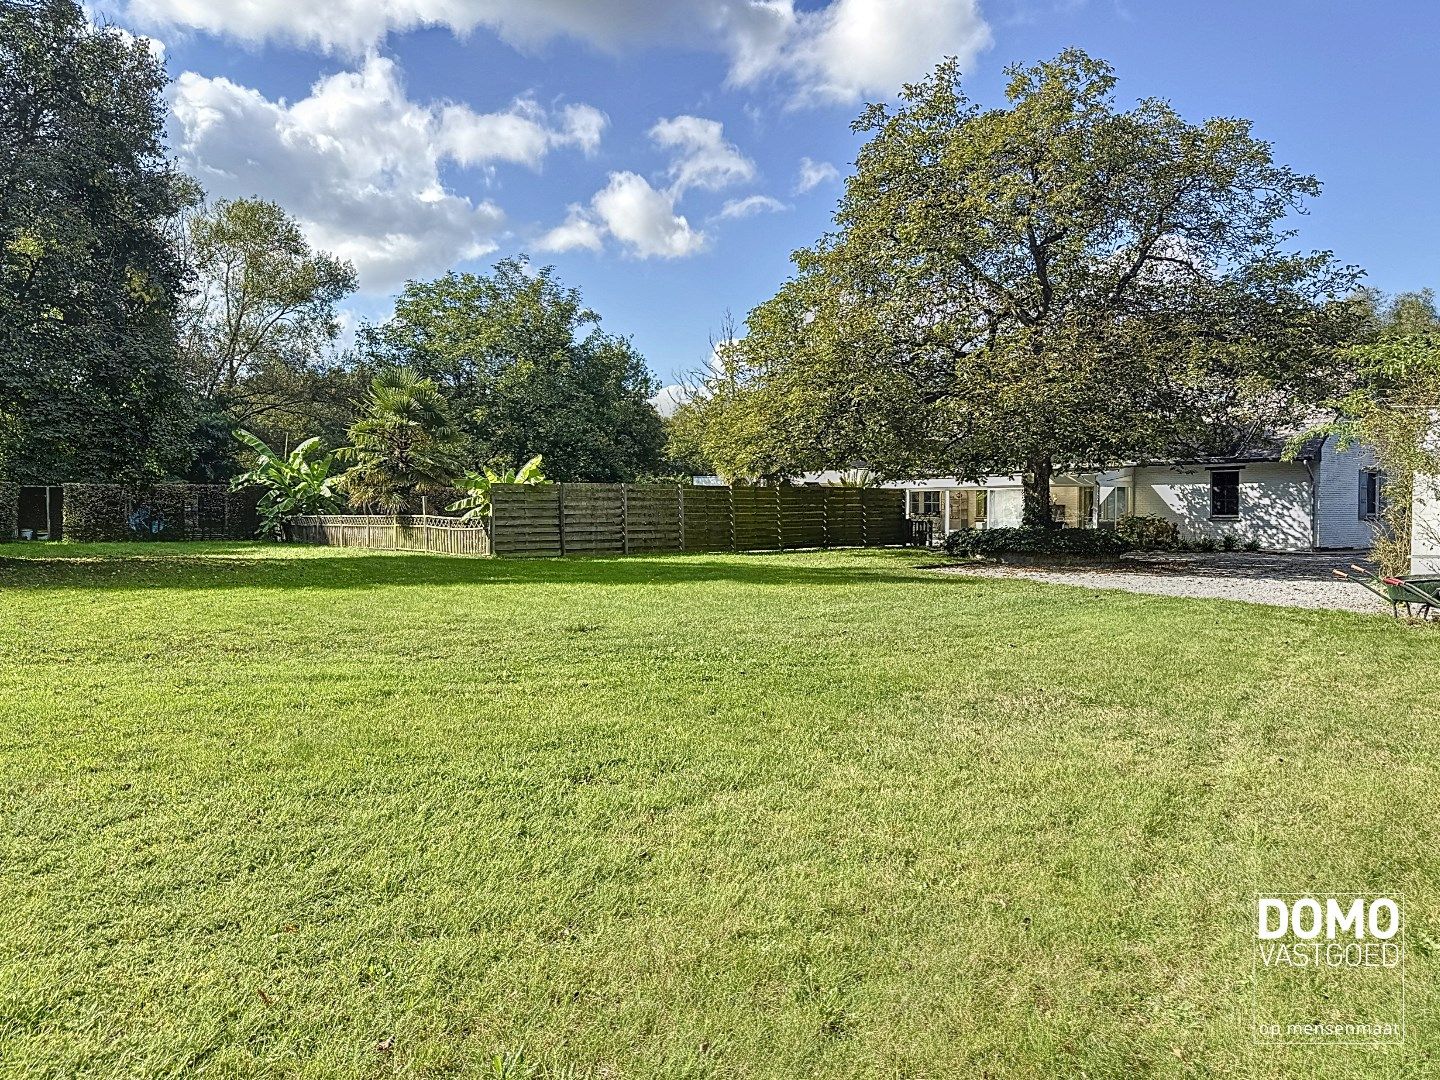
667	155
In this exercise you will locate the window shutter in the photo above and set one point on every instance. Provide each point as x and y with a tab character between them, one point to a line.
1364	493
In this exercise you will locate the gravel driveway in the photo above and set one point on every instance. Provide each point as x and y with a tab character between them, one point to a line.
1288	580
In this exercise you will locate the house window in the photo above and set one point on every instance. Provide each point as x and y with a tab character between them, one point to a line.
1372	483
982	506
1225	493
1115	505
925	504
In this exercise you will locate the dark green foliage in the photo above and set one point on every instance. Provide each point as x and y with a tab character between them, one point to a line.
1206	543
9	511
1029	540
89	379
1229	541
1148	532
293	484
404	446
158	512
1251	545
512	352
1139	533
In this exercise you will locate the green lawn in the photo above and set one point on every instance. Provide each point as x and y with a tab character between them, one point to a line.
321	813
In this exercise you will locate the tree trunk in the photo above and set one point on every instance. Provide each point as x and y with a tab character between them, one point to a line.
1037	493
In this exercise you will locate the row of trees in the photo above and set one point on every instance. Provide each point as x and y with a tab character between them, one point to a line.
1054	284
140	325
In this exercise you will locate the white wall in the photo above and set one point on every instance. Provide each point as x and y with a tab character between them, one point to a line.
1338	523
1425	526
1005	508
1274	502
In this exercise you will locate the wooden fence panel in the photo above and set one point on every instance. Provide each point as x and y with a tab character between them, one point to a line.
884	517
709	519
844	521
652	520
525	520
594	518
802	517
757	519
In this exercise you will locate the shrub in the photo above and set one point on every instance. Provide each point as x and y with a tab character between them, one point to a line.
298	484
1252	545
1147	532
9	511
1029	540
1229	541
1205	543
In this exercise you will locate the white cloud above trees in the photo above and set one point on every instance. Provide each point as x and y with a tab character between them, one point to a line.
359	164
836	53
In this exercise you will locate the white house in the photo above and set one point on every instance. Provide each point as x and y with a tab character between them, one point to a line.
1326	499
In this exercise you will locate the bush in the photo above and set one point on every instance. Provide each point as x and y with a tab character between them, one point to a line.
1030	540
9	511
1206	543
1252	545
1146	532
1229	541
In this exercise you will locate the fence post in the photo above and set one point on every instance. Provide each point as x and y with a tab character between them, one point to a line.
680	515
625	518
560	514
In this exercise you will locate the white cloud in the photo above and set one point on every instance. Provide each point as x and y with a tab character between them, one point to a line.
851	48
751	205
358	163
522	134
702	158
580	230
644	220
670	398
839	52
813	174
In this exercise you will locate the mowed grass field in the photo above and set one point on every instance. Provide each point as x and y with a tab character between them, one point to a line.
316	813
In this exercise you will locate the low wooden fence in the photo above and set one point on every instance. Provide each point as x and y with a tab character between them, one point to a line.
418	533
629	519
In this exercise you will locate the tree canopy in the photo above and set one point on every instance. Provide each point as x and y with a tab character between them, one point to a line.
1050	284
257	330
528	371
90	387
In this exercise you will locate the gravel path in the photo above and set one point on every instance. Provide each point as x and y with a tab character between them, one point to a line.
1288	580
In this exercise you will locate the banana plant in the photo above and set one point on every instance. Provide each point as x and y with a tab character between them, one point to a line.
297	484
476	503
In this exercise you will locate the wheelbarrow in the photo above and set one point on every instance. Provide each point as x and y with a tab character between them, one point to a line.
1419	594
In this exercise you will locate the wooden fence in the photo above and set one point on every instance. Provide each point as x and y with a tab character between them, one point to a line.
622	519
629	519
418	533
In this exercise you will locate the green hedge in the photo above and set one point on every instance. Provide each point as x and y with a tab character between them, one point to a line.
160	512
1131	534
9	511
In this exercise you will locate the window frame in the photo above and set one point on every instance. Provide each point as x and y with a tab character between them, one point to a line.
1215	513
1372	483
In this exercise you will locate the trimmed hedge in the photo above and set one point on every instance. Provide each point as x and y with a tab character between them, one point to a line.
9	511
1131	534
160	512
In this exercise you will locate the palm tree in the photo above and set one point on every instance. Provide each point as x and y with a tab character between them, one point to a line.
404	445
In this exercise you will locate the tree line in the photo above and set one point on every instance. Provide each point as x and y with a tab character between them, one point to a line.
142	325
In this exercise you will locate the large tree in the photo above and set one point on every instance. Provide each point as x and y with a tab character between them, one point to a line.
528	371
1051	284
258	328
90	386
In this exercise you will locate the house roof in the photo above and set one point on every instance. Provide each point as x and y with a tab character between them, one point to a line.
1266	448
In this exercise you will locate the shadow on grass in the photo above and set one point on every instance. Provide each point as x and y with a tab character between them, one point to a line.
248	566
